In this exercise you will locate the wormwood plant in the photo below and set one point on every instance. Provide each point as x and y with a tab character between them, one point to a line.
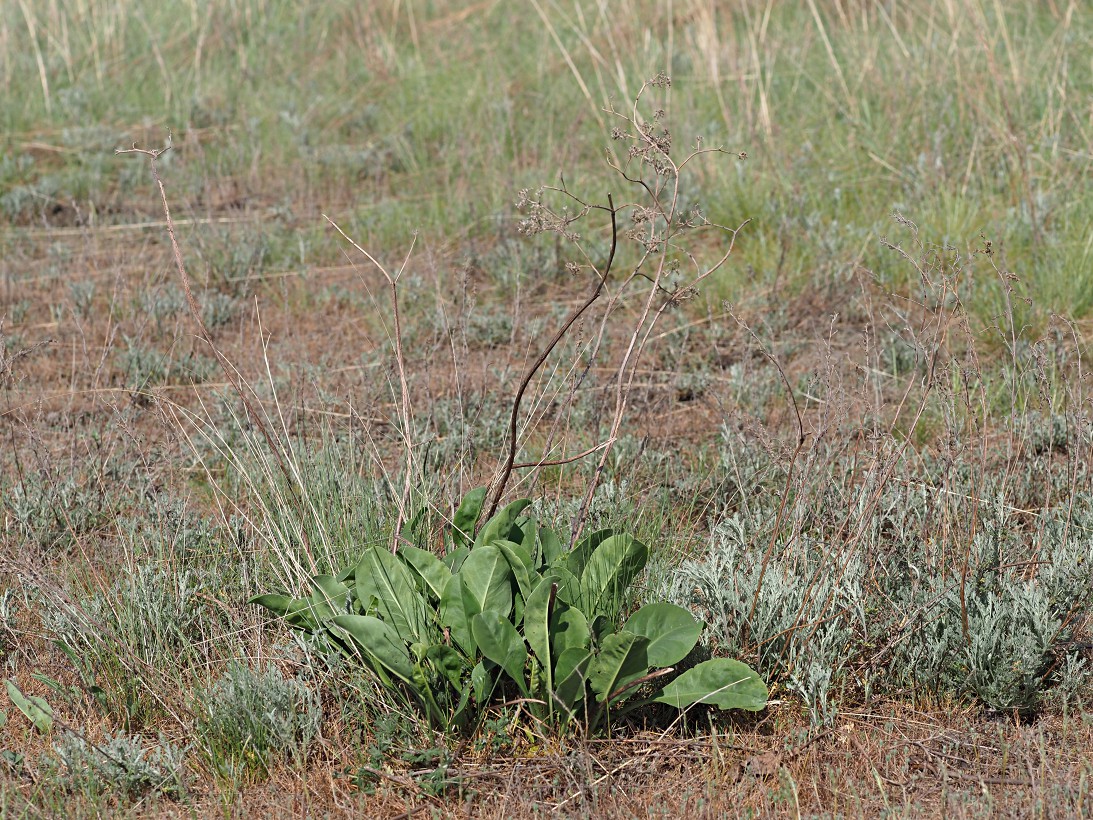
511	611
250	718
122	763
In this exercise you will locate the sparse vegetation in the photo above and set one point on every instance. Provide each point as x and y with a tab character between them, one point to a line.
854	433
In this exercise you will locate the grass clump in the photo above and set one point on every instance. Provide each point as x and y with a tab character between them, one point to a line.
249	719
137	638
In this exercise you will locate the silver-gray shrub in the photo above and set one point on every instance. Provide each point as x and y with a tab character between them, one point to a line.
792	618
122	762
154	614
1001	620
248	717
1023	612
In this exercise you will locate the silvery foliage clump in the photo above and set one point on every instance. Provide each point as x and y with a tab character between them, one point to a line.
152	613
162	611
51	513
258	714
1005	655
124	763
1022	612
218	309
797	615
889	613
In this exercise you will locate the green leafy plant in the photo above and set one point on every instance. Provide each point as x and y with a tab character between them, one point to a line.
510	609
36	709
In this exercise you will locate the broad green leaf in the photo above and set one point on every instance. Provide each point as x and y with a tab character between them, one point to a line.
517	615
577	558
398	601
35	708
454	559
530	529
487	582
572	676
516	532
483	681
329	597
550	546
453	615
3	718
568	629
466	517
279	605
611	569
448	663
573	658
520	563
672	632
327	600
346	575
601	628
723	682
301	614
502	644
428	567
569	587
499	528
379	643
621	659
537	625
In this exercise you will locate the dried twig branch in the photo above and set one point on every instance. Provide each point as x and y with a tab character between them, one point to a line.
502	478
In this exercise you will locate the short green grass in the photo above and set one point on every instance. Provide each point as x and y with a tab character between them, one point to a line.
967	118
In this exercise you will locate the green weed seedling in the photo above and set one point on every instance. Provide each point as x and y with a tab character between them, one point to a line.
510	609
